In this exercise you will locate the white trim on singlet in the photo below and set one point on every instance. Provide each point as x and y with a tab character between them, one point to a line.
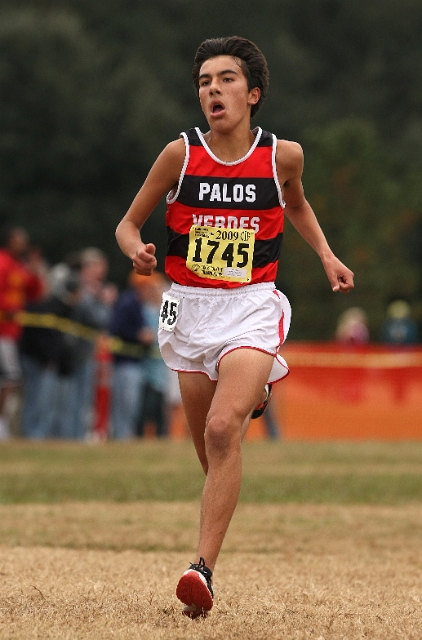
276	180
230	164
172	195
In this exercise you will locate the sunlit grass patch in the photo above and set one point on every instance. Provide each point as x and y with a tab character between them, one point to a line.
377	473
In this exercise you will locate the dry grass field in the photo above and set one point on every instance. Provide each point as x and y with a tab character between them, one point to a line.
98	569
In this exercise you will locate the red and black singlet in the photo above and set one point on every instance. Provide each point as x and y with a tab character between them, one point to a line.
236	200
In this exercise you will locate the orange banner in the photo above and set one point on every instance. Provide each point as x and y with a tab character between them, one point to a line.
335	392
357	392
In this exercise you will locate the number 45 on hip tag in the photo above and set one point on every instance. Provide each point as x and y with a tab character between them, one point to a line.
168	313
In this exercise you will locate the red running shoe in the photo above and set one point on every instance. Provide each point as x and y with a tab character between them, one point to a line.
195	590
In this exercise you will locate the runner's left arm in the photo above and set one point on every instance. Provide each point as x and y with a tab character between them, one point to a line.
301	215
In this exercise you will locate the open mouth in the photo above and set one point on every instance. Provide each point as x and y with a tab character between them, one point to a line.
217	108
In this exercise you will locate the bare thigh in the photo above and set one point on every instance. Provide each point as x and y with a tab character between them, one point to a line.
227	403
243	374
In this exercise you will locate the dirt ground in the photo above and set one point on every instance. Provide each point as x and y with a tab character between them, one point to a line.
103	570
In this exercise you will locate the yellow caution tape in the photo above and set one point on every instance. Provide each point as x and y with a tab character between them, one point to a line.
65	325
368	360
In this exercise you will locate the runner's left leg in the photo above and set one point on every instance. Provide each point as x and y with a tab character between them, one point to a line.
243	374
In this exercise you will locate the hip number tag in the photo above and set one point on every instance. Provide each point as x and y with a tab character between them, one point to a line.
168	313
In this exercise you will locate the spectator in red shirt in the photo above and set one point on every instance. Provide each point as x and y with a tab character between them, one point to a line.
19	284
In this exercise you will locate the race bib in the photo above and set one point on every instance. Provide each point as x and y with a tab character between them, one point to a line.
168	313
222	254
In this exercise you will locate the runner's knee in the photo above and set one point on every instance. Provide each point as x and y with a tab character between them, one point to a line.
222	434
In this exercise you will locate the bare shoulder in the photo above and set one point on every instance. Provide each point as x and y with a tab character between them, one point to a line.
289	160
173	154
175	149
289	152
168	166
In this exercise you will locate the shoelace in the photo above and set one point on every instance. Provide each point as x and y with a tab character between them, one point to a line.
206	572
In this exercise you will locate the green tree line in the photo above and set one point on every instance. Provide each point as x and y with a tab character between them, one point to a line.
91	91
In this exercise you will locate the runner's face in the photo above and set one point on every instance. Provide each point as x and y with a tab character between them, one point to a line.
223	91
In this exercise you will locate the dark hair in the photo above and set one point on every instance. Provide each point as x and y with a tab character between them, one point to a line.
253	62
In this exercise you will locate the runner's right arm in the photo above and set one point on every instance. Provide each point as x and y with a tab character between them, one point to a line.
163	176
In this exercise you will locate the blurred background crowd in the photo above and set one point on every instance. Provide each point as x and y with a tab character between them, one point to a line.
78	332
67	334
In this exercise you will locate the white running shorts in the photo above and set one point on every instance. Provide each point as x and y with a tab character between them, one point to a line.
199	326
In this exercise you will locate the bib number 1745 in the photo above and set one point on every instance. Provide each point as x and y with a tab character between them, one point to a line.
221	254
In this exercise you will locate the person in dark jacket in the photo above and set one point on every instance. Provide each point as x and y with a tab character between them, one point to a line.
47	353
128	324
